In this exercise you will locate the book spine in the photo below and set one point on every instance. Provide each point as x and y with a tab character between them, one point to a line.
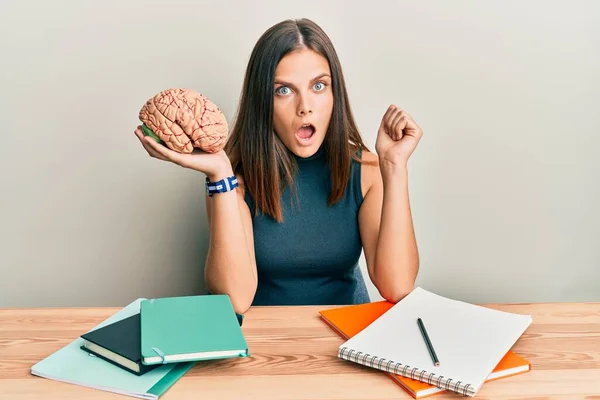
170	378
397	368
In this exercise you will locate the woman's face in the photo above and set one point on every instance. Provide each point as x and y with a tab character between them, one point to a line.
303	101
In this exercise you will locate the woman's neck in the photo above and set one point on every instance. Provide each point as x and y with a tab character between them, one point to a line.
318	155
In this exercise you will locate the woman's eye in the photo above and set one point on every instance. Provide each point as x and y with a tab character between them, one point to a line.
319	86
283	90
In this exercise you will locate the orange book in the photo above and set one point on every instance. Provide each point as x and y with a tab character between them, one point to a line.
347	321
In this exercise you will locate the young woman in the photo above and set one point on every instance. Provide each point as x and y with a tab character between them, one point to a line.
311	196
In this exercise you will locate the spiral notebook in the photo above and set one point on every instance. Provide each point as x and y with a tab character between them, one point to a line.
469	341
348	320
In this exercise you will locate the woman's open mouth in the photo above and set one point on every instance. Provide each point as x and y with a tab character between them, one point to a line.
305	133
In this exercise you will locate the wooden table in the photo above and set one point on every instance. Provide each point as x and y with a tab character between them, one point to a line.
294	357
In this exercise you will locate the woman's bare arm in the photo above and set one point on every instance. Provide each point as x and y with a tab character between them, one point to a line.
230	264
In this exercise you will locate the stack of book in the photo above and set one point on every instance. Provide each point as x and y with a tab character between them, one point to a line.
473	344
143	349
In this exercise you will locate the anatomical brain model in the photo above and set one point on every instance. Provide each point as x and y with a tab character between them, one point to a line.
183	119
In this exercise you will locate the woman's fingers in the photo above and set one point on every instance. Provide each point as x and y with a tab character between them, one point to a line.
147	145
163	151
197	160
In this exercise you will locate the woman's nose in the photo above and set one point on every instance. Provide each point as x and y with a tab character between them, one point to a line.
304	107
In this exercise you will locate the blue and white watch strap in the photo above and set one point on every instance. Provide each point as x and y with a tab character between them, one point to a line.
222	186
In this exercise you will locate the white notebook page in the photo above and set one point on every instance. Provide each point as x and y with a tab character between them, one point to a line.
469	340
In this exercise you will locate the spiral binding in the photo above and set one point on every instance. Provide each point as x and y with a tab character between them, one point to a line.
404	370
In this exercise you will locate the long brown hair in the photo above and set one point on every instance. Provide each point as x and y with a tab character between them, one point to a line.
255	151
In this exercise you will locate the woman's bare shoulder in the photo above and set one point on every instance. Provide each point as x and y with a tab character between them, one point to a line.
370	158
370	176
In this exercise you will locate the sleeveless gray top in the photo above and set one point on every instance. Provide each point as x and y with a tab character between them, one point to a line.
312	257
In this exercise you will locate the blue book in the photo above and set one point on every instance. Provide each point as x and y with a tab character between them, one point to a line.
74	366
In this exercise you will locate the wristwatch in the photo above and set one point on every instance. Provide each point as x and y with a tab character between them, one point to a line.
222	186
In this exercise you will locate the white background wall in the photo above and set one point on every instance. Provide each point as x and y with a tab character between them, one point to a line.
505	185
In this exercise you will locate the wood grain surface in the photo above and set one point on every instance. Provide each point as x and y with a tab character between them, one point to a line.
294	356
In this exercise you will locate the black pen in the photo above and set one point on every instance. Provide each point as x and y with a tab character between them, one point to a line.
436	362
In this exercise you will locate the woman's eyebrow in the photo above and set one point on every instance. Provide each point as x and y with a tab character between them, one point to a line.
281	82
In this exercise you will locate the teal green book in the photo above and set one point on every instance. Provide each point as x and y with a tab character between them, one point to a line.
189	329
72	365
